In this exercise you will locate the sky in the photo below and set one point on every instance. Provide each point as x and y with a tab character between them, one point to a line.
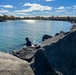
24	8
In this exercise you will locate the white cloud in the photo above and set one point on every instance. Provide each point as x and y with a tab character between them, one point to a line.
37	7
49	0
3	11
22	14
34	7
6	6
74	6
61	8
22	11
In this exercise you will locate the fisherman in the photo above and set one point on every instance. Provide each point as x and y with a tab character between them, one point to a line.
28	42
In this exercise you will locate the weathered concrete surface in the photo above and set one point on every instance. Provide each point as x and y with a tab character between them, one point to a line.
11	65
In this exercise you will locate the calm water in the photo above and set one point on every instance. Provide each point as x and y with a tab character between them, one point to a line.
13	33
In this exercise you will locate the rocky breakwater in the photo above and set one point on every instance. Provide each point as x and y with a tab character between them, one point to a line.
57	53
11	65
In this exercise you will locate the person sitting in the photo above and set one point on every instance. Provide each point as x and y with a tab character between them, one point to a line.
28	42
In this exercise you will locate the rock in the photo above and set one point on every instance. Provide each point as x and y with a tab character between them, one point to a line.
46	37
56	34
52	40
11	65
25	53
42	66
62	32
73	28
59	53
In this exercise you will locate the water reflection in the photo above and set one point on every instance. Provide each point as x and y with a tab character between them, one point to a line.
30	21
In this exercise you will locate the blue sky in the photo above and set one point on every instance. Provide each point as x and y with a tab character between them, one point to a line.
38	7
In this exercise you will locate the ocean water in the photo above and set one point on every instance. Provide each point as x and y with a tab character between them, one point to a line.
13	33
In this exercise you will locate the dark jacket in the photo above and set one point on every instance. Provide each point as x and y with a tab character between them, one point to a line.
28	43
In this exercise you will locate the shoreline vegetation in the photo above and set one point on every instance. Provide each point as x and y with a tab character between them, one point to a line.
56	18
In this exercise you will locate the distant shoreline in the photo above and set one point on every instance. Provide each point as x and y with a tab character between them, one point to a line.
40	19
57	18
